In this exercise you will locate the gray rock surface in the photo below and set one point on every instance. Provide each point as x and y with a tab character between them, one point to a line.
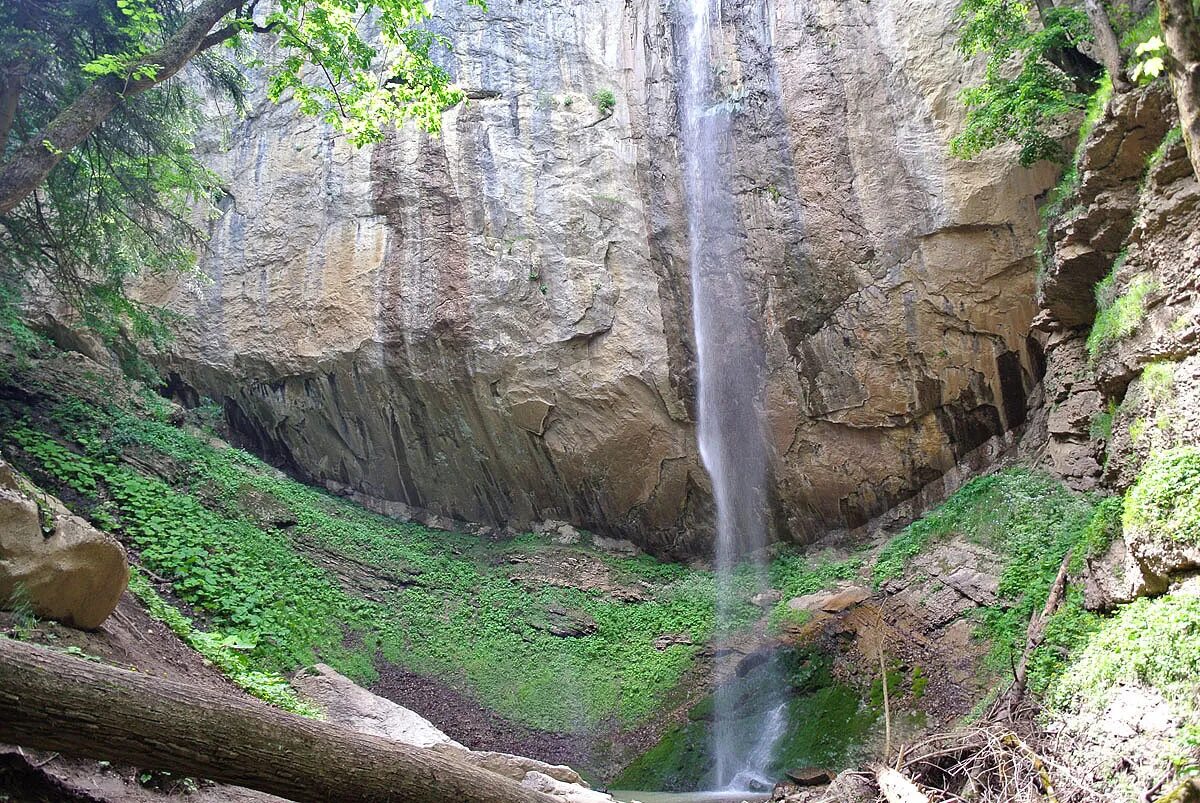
346	703
493	323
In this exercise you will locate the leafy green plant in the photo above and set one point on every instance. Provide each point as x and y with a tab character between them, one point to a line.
1152	60
1018	108
1164	502
221	651
1155	642
1103	528
1119	317
606	102
1067	631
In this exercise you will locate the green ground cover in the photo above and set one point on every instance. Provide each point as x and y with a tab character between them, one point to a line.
441	603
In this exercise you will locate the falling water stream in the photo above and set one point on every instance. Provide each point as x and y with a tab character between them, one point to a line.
732	433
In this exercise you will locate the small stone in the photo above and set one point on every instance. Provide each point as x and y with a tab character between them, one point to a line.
810	776
766	599
671	639
842	600
565	535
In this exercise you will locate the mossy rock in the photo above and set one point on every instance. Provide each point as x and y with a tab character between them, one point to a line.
1162	512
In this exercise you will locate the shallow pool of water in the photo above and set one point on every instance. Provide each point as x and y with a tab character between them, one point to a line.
689	797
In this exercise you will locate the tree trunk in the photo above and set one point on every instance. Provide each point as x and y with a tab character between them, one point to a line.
51	701
1181	31
10	93
29	166
1107	46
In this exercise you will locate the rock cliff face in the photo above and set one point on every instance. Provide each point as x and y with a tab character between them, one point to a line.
493	323
1114	400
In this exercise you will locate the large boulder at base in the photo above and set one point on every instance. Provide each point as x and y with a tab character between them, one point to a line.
569	792
68	571
347	703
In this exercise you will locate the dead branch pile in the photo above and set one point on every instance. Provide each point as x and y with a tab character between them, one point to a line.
987	764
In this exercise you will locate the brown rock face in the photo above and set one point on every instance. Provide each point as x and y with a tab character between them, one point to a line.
74	573
494	323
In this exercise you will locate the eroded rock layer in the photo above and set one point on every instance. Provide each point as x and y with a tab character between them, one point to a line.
493	323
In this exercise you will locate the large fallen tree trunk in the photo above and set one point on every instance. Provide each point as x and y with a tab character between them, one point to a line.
52	701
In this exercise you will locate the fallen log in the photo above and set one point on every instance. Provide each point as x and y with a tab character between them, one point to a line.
1035	633
52	701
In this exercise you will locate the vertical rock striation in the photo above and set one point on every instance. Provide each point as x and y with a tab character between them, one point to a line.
493	323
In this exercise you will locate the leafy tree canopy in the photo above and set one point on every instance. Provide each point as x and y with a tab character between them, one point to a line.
1032	77
98	180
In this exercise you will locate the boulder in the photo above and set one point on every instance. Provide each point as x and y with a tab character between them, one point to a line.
572	793
810	776
347	703
559	532
517	767
765	599
847	598
54	562
830	602
1115	577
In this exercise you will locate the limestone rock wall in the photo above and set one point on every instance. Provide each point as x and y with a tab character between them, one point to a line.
1136	216
493	323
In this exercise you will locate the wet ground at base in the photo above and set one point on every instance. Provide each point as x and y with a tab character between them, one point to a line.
689	797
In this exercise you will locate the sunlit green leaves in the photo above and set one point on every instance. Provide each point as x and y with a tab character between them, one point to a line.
1023	93
1152	54
337	70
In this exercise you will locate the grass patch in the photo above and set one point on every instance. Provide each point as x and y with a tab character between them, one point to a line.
987	509
1172	138
1101	425
1164	503
1152	642
1119	317
1068	183
1067	631
794	576
1103	528
1031	520
1158	380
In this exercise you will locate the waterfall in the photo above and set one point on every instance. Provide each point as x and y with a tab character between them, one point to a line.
732	434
